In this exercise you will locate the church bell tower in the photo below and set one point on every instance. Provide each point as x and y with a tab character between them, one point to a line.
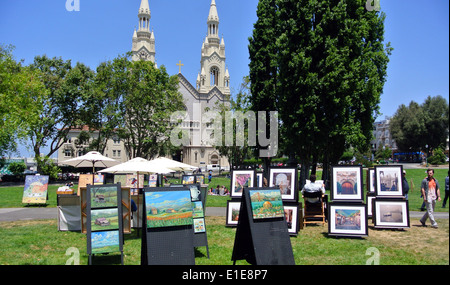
143	39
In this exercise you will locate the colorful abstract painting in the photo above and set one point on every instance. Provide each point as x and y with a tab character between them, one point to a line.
168	208
35	190
266	203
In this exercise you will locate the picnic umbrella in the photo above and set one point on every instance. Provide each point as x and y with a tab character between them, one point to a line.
92	158
172	164
137	165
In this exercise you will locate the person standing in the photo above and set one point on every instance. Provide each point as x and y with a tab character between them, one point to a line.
446	190
430	193
405	185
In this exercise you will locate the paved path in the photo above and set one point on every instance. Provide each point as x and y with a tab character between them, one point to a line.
23	214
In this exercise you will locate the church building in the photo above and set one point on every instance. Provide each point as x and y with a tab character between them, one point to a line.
212	86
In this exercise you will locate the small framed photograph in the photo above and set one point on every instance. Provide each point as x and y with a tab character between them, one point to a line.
389	181
370	198
188	179
347	219
286	180
259	179
346	183
292	219
233	208
390	213
241	179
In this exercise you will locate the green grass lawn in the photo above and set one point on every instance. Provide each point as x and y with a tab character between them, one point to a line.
40	243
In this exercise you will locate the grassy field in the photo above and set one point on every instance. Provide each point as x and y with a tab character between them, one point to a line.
40	243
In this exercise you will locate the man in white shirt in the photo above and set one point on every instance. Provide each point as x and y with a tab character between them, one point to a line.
312	188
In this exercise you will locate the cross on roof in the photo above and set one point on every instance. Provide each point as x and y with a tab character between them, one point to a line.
179	64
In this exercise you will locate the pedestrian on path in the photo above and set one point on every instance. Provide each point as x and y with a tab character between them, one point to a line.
446	190
430	193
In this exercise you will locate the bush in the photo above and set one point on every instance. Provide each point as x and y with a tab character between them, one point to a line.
438	157
17	168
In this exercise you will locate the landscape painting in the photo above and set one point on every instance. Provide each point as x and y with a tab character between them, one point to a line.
35	190
266	203
104	219
104	197
197	208
168	208
105	242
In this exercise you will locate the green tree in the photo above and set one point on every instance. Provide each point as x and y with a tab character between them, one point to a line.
332	69
63	106
263	67
150	97
415	126
20	93
17	167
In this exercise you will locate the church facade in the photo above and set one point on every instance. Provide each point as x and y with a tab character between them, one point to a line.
212	87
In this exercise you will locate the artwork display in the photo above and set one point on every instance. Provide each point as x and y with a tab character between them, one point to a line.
153	180
233	213
188	179
105	242
241	179
259	179
35	190
291	215
168	208
103	197
266	203
99	179
347	183
347	219
370	199
286	180
389	180
391	213
104	219
197	208
200	179
199	225
371	180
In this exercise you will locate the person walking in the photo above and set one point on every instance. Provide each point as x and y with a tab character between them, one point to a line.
430	193
405	185
446	190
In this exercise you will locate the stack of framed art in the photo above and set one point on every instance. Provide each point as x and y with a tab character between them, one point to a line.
104	220
347	214
390	208
167	237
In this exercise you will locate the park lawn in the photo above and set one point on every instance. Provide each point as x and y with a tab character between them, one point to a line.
40	243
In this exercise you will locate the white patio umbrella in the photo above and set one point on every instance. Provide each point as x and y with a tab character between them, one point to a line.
172	164
92	158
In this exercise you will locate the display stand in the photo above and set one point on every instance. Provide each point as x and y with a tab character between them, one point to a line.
167	245
68	212
261	241
104	218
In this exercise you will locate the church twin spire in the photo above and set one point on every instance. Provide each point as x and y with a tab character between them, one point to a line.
213	69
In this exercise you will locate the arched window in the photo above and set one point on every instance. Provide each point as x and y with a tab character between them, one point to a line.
214	76
214	159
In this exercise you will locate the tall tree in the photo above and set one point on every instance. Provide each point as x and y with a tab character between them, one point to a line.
263	73
332	69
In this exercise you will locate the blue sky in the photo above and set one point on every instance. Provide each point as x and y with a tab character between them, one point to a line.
417	29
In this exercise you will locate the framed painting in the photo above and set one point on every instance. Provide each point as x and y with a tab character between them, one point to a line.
347	219
105	242
199	225
266	203
389	181
292	220
371	180
370	198
233	208
259	179
104	196
346	183
390	213
168	208
153	180
200	179
241	179
104	219
188	179
197	208
35	189
286	180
